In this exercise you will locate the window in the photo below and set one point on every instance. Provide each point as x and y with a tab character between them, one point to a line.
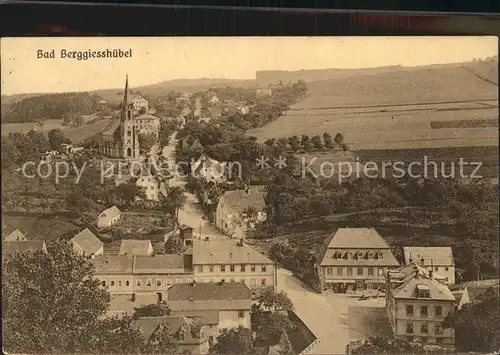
380	271
127	283
223	268
380	255
158	282
211	338
182	336
439	340
340	271
112	283
370	271
241	314
139	283
120	283
349	271
349	255
360	271
148	282
409	310
103	283
252	269
409	328
438	329
446	268
423	293
263	282
360	255
264	268
436	268
328	270
370	255
211	268
253	282
200	268
423	311
439	311
242	268
424	328
231	267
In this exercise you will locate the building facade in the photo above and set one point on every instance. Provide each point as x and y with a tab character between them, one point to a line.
139	104
355	259
437	259
86	243
229	261
150	185
417	304
147	124
109	217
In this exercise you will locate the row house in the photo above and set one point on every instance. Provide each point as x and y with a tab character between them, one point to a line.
439	260
222	305
229	261
355	259
145	278
417	304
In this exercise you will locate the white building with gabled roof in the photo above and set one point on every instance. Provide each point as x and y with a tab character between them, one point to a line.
86	243
109	217
438	259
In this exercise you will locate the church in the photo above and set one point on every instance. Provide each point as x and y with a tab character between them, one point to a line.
120	140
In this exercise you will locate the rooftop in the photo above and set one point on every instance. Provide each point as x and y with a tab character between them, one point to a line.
135	247
22	246
229	251
15	236
176	323
165	263
205	291
111	212
238	200
87	241
432	255
113	264
357	238
146	116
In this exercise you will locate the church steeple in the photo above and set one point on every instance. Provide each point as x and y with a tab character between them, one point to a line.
126	95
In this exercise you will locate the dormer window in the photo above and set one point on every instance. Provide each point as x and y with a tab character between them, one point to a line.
380	255
360	255
182	336
423	291
349	255
370	255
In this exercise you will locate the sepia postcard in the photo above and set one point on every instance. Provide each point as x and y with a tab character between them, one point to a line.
245	195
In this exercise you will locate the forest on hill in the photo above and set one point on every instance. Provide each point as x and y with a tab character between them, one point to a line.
50	106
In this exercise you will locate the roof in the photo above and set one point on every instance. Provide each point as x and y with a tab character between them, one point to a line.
22	246
207	162
477	288
110	212
201	317
414	277
432	255
112	127
164	263
227	252
238	200
146	116
87	241
15	236
357	238
135	247
113	264
135	97
148	326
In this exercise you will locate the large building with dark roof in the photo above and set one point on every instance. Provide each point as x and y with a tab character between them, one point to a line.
354	259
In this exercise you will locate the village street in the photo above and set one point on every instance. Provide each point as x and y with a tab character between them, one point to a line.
323	319
191	215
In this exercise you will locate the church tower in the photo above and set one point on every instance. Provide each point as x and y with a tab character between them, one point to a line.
128	134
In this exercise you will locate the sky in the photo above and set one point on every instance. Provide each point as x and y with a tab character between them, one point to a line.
156	59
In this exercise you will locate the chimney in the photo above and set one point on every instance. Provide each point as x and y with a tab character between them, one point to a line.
422	261
194	283
191	299
432	269
248	191
410	260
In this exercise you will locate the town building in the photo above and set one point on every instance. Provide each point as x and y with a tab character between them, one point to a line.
232	302
150	185
47	157
243	109
439	259
109	217
86	243
232	261
209	169
139	104
263	92
477	288
417	304
147	123
15	236
145	278
197	113
355	259
190	333
120	139
135	247
233	211
214	100
186	235
216	112
185	112
22	246
461	294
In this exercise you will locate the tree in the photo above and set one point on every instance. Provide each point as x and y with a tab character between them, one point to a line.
152	310
282	144
146	141
51	302
271	142
176	198
271	326
476	324
381	345
339	139
128	192
316	142
56	138
276	302
174	245
294	143
328	140
234	341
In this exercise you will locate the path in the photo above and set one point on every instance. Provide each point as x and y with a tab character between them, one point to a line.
191	215
324	320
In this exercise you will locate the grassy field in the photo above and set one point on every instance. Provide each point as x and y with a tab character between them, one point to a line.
394	110
76	134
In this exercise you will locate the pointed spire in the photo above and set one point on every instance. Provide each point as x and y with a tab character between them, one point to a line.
126	94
